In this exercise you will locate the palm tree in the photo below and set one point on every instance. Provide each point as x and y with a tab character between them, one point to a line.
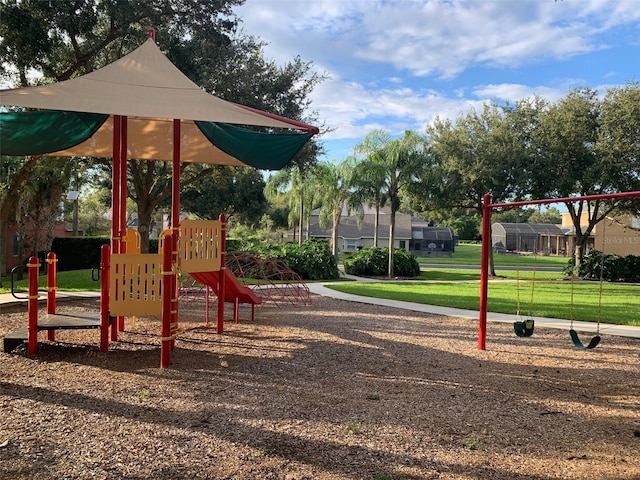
332	182
289	186
397	162
367	184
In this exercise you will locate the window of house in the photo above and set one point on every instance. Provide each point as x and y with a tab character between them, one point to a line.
403	244
350	245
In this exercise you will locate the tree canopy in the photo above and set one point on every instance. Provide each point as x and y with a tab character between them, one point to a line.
44	42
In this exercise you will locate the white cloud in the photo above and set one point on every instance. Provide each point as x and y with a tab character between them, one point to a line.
397	64
514	92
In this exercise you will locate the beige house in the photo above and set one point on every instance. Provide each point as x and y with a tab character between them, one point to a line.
619	235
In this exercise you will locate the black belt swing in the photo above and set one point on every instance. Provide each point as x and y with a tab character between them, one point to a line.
593	343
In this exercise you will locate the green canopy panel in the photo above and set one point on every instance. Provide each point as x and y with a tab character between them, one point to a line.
266	151
42	132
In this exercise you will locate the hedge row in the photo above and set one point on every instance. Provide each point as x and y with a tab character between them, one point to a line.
614	268
312	260
80	253
374	262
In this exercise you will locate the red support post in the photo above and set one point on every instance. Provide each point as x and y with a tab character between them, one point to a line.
484	271
116	197
175	223
51	290
105	261
32	328
167	294
123	198
223	266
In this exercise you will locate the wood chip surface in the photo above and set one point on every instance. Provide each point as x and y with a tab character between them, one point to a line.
335	390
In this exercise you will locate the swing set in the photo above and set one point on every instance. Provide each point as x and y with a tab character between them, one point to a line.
524	328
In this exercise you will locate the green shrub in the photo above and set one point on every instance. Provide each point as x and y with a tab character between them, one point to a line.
613	268
78	253
405	263
375	261
367	261
312	260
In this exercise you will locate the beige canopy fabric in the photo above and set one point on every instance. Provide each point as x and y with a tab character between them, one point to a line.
146	84
152	139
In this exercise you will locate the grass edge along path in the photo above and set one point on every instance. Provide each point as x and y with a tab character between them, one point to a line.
551	299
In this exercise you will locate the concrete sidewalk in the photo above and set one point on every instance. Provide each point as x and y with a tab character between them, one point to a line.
7	299
579	326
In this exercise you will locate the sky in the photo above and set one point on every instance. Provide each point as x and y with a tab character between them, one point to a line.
398	64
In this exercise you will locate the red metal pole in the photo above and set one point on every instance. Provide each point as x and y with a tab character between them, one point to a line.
484	271
175	223
51	282
221	280
32	328
115	186
105	260
123	199
51	290
115	200
545	201
167	273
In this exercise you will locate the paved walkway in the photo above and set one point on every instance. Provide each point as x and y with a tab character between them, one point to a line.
322	289
607	329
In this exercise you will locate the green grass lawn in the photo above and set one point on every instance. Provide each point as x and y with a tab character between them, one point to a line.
74	281
469	254
620	303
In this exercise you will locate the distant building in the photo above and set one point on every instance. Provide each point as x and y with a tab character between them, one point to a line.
615	235
410	233
542	238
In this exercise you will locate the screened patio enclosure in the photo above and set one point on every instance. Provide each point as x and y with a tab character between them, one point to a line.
432	241
542	238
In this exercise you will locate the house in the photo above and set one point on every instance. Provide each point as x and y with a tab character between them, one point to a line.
614	235
430	241
61	229
410	233
528	237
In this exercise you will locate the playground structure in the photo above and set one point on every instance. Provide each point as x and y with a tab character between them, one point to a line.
135	284
486	252
271	280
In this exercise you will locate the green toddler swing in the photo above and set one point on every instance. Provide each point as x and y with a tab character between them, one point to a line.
524	327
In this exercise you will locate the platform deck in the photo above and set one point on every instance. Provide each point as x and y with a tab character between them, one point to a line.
58	321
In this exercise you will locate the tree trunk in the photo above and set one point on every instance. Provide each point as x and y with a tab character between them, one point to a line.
334	237
375	226
145	212
301	218
7	206
392	229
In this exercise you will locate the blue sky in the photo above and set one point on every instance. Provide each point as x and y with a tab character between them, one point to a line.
397	64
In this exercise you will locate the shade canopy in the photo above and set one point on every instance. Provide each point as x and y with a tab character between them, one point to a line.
148	89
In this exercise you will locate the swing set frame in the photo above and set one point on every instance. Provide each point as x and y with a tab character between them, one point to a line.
487	209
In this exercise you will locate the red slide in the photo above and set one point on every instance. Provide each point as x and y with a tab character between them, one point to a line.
234	292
